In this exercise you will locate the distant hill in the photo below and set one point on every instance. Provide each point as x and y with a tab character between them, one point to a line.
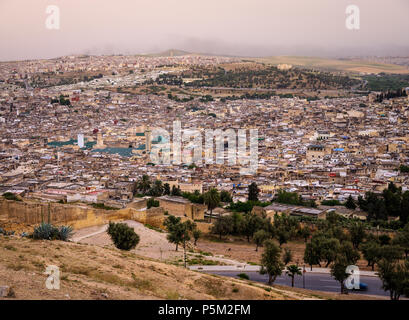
170	53
354	66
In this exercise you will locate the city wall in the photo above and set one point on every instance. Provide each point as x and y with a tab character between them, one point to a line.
79	216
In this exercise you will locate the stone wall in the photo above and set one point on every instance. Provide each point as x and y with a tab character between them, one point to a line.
183	209
80	216
204	227
153	216
138	204
77	216
175	208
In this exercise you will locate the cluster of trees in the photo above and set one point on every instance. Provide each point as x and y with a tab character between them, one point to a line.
384	81
240	225
330	238
249	96
376	248
206	98
177	99
404	169
92	77
246	206
293	198
211	198
331	203
395	277
62	101
332	246
326	248
152	203
391	258
145	187
392	202
350	203
180	232
260	228
273	263
169	79
390	94
269	77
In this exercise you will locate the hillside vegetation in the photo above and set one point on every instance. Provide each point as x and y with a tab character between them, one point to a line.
267	77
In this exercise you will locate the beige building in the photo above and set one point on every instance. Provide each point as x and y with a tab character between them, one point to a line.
186	187
179	206
279	209
315	153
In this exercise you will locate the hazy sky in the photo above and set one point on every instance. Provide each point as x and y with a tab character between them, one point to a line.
236	27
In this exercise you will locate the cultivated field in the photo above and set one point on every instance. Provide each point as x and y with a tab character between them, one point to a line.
350	66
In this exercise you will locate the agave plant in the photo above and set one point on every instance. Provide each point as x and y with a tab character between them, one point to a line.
65	233
45	231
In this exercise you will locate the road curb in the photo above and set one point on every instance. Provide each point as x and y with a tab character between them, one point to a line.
252	268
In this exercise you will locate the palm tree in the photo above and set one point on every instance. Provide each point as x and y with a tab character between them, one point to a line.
166	189
292	271
212	200
143	184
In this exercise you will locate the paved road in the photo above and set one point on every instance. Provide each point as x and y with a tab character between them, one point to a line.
313	281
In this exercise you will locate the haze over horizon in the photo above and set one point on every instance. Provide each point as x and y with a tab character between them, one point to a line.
228	27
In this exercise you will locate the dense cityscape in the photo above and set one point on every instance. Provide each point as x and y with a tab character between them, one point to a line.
240	167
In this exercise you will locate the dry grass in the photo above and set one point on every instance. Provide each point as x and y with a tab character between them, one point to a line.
92	272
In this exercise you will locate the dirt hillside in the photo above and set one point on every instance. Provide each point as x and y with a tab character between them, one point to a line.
94	272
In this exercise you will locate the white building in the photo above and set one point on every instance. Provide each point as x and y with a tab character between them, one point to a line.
81	140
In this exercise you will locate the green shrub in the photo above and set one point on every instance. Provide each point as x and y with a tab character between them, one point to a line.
243	276
331	203
152	203
11	196
123	236
202	262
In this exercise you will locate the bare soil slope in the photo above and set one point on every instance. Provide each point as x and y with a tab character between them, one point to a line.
93	272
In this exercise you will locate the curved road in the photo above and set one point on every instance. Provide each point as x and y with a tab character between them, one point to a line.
313	281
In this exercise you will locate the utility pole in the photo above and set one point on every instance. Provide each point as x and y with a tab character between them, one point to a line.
184	249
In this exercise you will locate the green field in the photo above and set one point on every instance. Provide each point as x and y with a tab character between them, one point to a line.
351	66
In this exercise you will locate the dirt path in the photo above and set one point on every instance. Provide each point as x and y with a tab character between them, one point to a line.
153	244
